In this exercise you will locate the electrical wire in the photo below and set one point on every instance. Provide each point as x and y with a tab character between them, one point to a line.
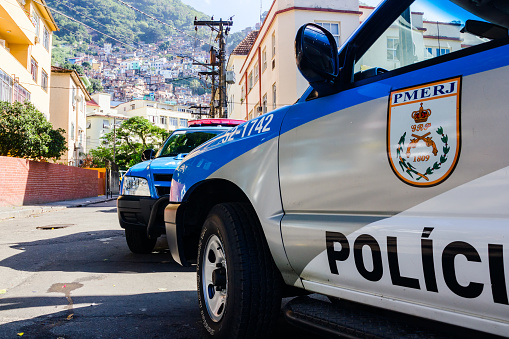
97	22
162	22
71	18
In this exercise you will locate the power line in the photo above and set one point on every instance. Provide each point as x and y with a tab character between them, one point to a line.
129	45
162	22
97	22
71	18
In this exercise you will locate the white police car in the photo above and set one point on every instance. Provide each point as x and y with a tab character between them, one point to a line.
386	184
145	186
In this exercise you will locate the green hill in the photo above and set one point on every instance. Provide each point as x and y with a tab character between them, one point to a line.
123	23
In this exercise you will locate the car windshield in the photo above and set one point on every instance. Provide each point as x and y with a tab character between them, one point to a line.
185	141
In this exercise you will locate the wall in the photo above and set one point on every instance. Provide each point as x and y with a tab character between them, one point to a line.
26	182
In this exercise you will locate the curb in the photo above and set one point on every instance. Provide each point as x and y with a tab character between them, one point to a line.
27	211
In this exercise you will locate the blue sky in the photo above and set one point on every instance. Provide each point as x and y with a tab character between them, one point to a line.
247	12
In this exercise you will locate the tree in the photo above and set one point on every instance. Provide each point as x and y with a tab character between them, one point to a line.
95	86
132	137
76	67
25	133
164	46
196	87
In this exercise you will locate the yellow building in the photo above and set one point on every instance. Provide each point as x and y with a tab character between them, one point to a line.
26	31
68	111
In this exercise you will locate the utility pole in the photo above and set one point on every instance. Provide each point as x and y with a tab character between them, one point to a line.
114	138
218	102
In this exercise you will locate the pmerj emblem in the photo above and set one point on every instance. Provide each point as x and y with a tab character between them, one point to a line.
423	136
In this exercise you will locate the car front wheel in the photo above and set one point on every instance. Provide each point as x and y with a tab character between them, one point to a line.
138	241
239	286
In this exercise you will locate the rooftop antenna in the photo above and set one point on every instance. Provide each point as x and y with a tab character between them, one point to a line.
261	12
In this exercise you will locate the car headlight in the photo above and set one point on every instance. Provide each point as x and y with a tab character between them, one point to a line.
135	186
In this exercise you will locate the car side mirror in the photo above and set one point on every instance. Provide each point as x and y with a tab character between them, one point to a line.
317	58
148	154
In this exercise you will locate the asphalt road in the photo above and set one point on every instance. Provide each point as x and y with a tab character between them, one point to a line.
69	274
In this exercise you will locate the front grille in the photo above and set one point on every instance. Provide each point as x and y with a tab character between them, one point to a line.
163	177
162	190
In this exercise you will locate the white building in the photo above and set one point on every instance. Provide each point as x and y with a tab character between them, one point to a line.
166	116
101	119
268	78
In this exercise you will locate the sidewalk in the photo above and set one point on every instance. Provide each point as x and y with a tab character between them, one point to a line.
8	212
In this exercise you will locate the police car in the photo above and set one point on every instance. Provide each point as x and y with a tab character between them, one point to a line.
386	184
145	186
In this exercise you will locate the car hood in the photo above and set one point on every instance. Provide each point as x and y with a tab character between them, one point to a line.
159	165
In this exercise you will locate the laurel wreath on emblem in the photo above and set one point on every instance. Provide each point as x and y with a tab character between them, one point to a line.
407	166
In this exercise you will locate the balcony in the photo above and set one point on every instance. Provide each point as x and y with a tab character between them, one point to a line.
16	26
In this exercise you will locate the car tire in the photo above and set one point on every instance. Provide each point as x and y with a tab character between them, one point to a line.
138	241
239	285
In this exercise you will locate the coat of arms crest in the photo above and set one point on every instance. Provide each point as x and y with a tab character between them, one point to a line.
423	132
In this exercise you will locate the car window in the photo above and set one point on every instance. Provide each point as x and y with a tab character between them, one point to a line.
427	29
185	141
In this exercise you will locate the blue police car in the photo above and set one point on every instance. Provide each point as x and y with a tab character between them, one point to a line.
145	186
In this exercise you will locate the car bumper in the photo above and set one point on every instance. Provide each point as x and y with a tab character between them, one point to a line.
174	232
134	211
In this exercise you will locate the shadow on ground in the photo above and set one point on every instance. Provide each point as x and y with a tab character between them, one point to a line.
150	315
95	252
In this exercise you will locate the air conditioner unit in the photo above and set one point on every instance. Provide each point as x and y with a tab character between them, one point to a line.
230	77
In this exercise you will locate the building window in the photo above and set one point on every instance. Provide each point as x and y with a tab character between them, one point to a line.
6	84
106	124
36	21
183	122
20	93
264	103
133	106
89	124
273	45
274	96
333	28
242	93
264	60
45	38
72	130
34	69
44	80
250	81
173	122
255	73
432	52
163	120
392	44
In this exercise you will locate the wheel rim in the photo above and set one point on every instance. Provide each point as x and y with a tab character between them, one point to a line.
214	278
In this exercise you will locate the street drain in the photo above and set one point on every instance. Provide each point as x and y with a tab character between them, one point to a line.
54	227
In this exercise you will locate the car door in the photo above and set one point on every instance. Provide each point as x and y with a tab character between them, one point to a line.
395	187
